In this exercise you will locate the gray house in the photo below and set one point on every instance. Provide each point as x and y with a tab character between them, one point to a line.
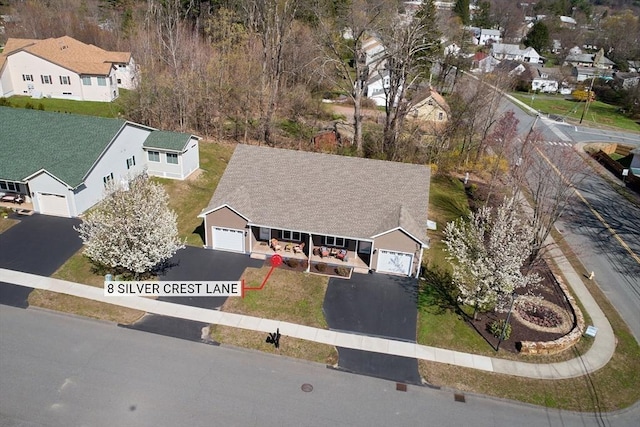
360	213
59	164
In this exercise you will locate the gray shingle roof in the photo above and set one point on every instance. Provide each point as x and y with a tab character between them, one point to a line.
165	140
323	193
66	145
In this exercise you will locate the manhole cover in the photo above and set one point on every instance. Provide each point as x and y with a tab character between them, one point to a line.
307	388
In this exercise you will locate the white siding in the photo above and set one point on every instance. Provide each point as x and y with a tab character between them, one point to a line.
190	158
188	161
24	63
128	143
45	183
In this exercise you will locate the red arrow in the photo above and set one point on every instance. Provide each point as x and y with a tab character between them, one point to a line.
276	260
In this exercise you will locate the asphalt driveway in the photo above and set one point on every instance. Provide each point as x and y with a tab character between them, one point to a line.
192	263
38	244
380	305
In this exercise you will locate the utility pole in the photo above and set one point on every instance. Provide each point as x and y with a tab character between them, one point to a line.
586	105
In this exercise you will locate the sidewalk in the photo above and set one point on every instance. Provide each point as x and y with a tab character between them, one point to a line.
597	356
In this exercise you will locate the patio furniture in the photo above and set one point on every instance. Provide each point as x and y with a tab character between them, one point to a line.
275	245
342	255
288	247
298	248
324	251
13	198
333	251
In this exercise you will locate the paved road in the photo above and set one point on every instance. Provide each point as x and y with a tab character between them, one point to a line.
617	267
69	371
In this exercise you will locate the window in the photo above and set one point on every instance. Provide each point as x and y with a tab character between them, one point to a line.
131	162
65	80
102	81
119	81
334	241
27	77
46	80
9	186
291	235
440	115
107	179
111	80
154	156
67	93
172	158
86	80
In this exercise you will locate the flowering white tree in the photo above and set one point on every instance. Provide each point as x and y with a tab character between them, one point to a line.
132	230
487	254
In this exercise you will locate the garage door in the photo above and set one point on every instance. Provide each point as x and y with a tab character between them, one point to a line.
228	239
53	204
394	262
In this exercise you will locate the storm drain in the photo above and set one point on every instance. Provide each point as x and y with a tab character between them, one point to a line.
307	388
459	397
401	387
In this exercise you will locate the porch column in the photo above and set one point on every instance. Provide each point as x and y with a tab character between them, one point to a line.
419	263
310	252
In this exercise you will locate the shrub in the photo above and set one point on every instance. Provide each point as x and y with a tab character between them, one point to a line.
321	266
40	106
342	271
29	106
4	102
496	327
293	263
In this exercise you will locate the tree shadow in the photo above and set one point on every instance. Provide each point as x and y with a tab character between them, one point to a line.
438	292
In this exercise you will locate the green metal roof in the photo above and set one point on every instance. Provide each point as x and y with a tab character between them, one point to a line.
166	140
66	145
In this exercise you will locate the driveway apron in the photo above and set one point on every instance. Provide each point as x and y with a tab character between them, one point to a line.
379	305
38	244
192	263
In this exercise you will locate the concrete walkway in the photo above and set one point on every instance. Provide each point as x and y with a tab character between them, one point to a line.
598	355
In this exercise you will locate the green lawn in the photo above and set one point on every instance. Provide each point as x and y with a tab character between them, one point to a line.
599	113
190	196
88	108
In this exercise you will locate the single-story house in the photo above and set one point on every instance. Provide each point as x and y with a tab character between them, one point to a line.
64	68
585	73
371	212
512	52
484	63
61	163
544	85
626	81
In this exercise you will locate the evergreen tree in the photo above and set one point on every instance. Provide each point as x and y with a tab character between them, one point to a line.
482	17
461	9
538	37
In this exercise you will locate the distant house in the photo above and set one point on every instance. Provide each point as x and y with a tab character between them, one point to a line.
626	81
544	85
568	22
635	161
585	73
376	87
64	68
430	108
61	163
512	52
484	63
596	60
488	36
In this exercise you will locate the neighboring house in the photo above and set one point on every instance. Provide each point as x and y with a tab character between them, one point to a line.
512	52
568	22
64	68
544	85
61	163
488	36
376	87
585	73
483	62
596	60
634	66
374	210
635	161
626	81
374	52
429	106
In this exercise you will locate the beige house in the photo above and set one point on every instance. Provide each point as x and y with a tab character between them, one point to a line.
363	214
64	68
430	107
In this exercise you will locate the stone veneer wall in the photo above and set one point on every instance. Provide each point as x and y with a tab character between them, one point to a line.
564	342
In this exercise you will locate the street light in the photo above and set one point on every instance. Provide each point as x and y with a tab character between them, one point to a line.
506	322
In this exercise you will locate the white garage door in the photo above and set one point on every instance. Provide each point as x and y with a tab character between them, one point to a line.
394	262
53	204
228	239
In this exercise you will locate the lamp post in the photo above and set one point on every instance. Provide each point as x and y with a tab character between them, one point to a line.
506	322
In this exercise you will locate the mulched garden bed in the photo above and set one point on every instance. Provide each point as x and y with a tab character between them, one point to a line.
477	192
